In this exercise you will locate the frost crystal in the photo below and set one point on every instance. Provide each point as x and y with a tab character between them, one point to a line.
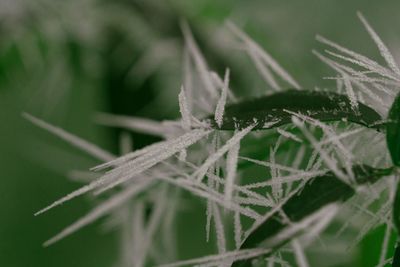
136	166
382	47
214	157
298	251
140	125
101	210
89	148
199	61
264	56
219	111
184	109
186	159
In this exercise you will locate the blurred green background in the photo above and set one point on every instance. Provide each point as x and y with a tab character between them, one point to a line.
63	61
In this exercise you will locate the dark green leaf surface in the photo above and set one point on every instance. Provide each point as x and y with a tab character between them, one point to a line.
396	209
316	194
396	257
393	131
323	106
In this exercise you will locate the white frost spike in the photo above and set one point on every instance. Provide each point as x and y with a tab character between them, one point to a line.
74	140
82	176
339	69
381	46
151	159
135	124
385	245
220	152
219	110
138	229
125	143
277	185
279	180
275	209
341	136
199	60
153	224
182	155
236	187
211	195
297	228
298	159
299	253
101	210
330	133
220	83
264	55
187	77
219	227
366	61
319	226
384	211
263	70
339	85
359	59
370	67
128	157
208	218
169	229
131	169
360	97
392	192
231	166
237	230
184	109
270	165
213	260
289	135
350	93
324	155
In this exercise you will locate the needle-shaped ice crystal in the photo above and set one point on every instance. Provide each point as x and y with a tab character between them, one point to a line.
74	140
227	146
219	110
184	109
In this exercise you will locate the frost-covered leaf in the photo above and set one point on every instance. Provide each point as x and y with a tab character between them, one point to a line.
393	131
316	194
274	110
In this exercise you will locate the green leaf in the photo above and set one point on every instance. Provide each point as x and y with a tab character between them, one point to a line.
393	144
316	194
393	131
323	106
396	209
396	257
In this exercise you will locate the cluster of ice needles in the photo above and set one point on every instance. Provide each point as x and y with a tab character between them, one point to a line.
206	162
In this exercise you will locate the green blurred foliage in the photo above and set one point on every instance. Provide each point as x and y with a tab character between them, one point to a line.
65	60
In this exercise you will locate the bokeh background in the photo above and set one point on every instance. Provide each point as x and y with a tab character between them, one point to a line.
64	61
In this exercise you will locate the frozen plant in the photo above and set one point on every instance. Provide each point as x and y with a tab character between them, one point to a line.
311	142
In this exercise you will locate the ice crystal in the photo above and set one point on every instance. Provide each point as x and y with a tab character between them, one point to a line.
219	110
186	159
184	109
